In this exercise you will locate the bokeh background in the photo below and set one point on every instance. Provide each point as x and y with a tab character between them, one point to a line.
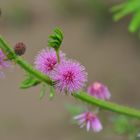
108	51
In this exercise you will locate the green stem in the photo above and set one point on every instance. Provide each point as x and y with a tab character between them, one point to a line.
108	105
82	95
27	67
58	56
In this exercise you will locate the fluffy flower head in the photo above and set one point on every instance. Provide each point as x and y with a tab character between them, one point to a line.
90	120
99	90
69	76
46	60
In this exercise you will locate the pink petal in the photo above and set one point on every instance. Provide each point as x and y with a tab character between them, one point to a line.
96	125
82	125
79	116
81	121
2	74
107	94
88	125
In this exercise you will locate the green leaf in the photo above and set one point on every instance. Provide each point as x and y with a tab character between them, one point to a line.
131	7
125	10
118	7
59	32
54	43
55	39
122	124
43	91
135	22
126	125
30	81
52	92
59	37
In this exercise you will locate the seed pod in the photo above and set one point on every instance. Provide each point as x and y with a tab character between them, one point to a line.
20	48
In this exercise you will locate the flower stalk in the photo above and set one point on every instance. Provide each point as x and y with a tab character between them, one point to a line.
81	95
58	56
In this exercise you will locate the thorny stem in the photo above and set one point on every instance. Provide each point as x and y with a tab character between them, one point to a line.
110	106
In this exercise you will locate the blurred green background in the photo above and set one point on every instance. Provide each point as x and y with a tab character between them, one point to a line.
108	51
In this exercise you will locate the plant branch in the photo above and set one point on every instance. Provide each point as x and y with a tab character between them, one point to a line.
26	66
81	95
108	105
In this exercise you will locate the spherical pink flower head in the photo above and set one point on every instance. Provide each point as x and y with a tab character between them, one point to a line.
99	90
69	77
90	120
46	60
3	63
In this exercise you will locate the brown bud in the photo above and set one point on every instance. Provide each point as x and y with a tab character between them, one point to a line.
20	48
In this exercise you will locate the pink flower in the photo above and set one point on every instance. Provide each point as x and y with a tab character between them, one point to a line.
69	76
46	60
3	63
90	120
99	90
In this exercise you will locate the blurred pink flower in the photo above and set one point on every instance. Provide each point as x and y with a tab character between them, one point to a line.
99	90
90	120
3	62
46	60
69	76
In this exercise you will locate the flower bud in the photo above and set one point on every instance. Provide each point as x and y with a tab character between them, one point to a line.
20	48
99	90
